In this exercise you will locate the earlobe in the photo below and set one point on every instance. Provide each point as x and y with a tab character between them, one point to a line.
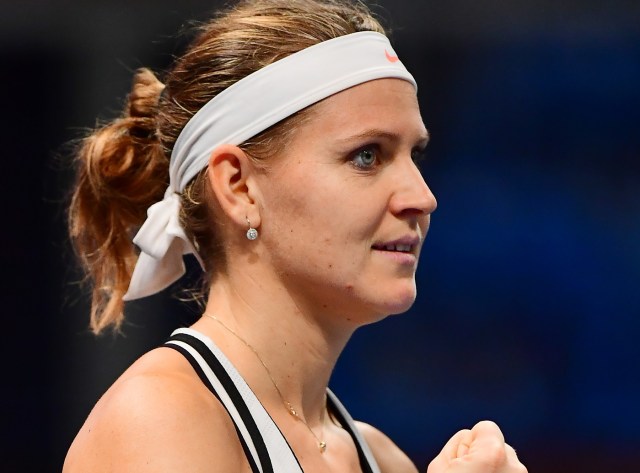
230	175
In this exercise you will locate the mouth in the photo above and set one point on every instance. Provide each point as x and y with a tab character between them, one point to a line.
402	245
402	248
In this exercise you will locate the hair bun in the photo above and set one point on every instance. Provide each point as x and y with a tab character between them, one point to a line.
145	94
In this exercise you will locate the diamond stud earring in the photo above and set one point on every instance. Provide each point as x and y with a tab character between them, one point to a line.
252	233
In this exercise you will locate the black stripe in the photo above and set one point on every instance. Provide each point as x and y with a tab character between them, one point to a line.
333	405
233	393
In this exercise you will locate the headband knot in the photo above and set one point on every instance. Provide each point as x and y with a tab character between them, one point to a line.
162	242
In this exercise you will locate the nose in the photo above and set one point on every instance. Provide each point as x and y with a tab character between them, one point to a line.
412	195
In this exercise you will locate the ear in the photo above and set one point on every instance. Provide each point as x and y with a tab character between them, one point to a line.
232	179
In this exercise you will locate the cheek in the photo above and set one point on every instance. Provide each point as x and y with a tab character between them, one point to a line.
303	196
295	216
319	212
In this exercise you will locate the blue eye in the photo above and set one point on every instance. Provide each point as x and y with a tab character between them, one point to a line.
365	158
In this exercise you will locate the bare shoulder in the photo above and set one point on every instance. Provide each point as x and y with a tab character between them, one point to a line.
157	417
388	455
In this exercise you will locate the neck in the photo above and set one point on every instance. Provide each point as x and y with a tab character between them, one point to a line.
299	348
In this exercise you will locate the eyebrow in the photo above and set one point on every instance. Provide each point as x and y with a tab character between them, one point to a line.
377	133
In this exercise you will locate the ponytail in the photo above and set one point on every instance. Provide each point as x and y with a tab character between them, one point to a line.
121	170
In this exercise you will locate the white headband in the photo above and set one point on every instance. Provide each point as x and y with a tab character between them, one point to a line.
240	112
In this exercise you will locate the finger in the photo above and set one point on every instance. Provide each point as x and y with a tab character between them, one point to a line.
465	439
487	429
450	451
512	456
459	442
488	446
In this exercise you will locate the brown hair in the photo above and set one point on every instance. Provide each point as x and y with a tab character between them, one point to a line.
122	167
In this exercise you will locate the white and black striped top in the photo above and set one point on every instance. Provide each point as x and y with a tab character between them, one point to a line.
264	445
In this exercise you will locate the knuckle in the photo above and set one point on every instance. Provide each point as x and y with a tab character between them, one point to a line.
495	455
487	423
488	428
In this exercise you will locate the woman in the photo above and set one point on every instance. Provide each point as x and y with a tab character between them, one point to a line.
292	129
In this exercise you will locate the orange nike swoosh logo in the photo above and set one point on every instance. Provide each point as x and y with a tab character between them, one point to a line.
391	58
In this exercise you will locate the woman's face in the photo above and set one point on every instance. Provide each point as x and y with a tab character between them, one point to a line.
345	209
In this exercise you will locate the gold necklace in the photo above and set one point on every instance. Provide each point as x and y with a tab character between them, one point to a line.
322	445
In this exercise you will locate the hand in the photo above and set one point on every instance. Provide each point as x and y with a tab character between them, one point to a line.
479	450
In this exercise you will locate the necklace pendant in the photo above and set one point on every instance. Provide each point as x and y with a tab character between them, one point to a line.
322	445
292	411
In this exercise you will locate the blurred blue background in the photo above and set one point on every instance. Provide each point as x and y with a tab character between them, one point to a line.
529	306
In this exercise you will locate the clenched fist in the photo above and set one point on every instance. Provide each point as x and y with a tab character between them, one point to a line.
479	450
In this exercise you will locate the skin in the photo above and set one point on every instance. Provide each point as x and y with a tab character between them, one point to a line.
345	187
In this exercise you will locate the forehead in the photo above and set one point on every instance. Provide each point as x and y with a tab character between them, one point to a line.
384	104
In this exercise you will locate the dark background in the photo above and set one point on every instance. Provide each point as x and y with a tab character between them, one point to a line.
529	305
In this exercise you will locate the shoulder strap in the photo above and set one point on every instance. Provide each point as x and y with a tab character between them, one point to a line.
367	461
248	434
265	447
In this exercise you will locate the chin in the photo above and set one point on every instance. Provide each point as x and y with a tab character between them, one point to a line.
372	306
401	307
401	301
